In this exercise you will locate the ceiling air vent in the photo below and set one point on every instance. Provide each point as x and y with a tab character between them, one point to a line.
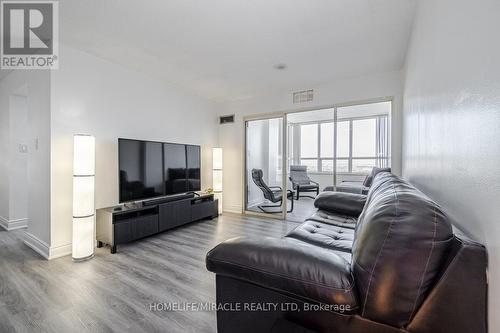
226	119
303	96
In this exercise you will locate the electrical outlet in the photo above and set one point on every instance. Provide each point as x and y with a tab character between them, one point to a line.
23	148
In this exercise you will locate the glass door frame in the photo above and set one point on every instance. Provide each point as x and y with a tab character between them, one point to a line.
282	214
284	116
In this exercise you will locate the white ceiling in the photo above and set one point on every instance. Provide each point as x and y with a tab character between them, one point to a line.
226	49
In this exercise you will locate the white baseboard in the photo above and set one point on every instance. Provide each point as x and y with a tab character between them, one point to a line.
10	225
34	242
37	245
60	251
4	223
44	249
235	209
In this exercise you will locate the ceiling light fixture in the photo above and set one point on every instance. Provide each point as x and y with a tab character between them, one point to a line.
280	67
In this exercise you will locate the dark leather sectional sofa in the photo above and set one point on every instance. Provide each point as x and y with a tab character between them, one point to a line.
387	262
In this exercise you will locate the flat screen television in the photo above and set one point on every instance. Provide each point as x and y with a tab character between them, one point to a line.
149	169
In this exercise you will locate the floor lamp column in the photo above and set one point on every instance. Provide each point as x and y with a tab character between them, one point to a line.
217	164
83	197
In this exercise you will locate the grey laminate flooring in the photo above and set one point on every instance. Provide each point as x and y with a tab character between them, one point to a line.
114	292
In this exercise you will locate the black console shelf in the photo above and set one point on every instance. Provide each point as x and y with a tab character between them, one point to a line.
123	224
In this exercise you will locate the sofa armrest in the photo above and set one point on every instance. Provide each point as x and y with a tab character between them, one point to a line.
289	266
341	203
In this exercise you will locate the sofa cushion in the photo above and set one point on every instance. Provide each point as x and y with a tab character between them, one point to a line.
352	187
334	219
288	265
375	171
400	241
341	203
324	235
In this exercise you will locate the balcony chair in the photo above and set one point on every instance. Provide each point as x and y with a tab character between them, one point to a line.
271	193
301	181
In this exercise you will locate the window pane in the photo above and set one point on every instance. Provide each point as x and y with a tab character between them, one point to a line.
343	139
363	138
309	140
326	165
327	140
312	165
362	166
342	166
290	140
383	163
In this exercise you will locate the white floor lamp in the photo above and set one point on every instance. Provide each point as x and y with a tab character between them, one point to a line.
83	197
217	163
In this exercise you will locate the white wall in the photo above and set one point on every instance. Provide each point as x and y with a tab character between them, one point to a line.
341	91
18	160
4	151
452	119
36	86
93	96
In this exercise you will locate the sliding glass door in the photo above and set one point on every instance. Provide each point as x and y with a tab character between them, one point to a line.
264	149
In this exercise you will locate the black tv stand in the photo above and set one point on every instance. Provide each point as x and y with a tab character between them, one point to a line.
123	224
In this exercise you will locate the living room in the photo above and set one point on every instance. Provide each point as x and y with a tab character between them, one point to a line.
228	166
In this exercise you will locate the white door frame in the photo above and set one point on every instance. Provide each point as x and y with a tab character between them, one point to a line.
245	180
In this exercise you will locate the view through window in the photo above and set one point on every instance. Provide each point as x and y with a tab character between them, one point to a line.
362	140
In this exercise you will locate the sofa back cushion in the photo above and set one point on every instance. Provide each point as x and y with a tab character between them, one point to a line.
399	248
341	203
375	171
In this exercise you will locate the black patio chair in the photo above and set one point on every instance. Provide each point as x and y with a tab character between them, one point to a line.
271	193
301	181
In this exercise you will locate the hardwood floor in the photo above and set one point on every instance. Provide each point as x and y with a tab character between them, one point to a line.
114	293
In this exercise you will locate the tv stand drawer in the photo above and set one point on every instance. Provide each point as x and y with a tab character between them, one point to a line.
203	209
132	229
174	214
